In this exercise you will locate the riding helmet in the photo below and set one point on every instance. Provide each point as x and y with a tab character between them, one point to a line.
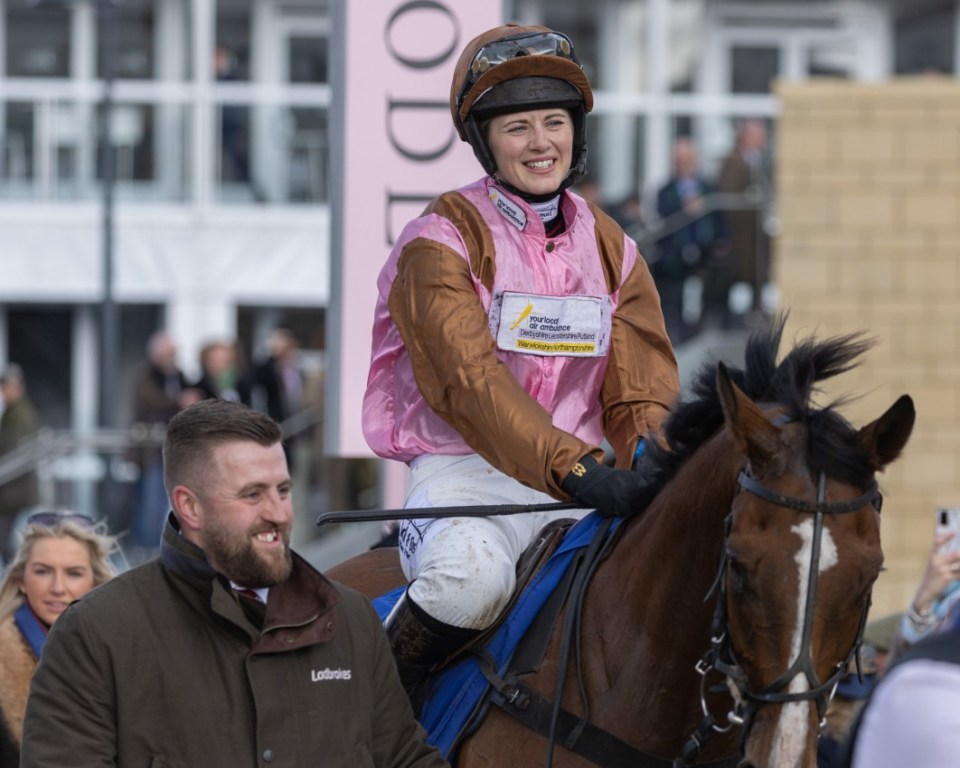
514	68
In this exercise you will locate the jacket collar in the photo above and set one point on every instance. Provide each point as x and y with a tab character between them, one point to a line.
299	611
17	663
34	632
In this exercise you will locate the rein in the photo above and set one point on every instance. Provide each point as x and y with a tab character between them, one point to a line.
547	717
721	656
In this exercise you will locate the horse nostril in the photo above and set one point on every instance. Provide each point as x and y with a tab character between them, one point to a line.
746	764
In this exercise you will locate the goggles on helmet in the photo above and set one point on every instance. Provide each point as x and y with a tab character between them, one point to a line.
508	48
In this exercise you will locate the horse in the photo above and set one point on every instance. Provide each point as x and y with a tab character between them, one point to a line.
717	626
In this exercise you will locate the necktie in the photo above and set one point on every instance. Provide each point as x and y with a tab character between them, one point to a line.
247	593
251	605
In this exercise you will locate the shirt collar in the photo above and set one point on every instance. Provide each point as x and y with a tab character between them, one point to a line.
262	592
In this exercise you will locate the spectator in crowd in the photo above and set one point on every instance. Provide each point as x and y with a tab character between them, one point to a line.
61	557
160	391
937	596
913	716
516	327
745	173
696	244
17	424
235	126
228	649
853	691
277	383
220	373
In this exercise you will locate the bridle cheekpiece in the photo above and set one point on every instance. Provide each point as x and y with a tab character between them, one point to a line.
721	656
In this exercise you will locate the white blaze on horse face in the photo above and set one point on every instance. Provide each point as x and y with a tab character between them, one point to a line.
791	737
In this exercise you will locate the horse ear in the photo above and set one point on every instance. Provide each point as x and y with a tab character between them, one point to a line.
746	423
884	438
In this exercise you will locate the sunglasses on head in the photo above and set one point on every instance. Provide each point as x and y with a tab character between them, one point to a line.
53	518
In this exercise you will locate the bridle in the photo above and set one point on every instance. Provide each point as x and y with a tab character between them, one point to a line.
721	657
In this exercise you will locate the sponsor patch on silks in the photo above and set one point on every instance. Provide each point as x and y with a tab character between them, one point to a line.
572	326
508	209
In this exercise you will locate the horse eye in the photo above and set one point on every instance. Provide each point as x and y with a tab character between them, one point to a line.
737	574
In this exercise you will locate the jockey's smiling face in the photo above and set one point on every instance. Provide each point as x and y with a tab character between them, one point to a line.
533	150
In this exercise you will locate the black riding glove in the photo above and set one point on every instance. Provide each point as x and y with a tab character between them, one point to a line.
612	492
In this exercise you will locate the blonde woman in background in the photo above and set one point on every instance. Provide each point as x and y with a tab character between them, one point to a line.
61	557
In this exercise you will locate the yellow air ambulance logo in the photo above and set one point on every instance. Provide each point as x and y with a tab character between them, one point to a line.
534	324
523	316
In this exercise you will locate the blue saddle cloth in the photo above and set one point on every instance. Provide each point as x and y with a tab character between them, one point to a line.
452	695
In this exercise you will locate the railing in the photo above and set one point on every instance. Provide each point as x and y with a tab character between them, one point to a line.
648	236
712	292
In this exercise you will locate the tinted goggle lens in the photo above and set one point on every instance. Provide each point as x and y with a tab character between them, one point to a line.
541	44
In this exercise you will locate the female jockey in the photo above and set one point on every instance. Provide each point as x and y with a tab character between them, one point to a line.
516	327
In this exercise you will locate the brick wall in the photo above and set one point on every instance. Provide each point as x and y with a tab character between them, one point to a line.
868	189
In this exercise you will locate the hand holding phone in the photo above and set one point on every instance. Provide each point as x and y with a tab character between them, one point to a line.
948	521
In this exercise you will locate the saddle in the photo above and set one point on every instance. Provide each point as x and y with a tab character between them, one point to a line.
459	691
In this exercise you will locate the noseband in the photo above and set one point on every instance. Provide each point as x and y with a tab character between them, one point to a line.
721	656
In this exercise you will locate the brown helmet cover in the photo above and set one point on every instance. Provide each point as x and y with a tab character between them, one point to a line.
522	66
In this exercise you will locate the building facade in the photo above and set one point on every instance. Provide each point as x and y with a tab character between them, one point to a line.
220	225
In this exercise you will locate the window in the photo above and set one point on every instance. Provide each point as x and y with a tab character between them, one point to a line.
308	59
233	40
924	42
753	69
38	40
129	46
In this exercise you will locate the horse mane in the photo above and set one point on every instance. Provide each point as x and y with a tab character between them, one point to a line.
831	446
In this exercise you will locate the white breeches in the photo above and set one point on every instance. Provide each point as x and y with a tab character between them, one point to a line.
463	569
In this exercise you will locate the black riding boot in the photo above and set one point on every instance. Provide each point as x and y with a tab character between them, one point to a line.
420	642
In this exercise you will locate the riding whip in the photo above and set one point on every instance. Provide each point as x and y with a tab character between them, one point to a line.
413	513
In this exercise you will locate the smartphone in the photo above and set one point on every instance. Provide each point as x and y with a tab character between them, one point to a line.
948	519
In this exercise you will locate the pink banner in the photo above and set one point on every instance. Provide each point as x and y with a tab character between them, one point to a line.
399	151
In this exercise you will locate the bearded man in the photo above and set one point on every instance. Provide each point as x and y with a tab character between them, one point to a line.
228	648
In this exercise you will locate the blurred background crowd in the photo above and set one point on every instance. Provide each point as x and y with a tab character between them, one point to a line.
280	382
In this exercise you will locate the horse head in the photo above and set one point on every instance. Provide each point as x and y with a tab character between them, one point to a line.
801	554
